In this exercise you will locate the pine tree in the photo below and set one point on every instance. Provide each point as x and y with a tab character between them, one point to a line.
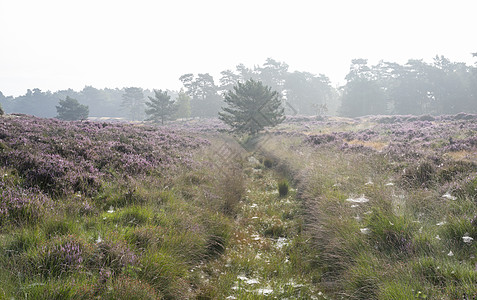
70	109
252	107
160	108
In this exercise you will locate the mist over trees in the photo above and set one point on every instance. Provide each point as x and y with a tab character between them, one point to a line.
416	87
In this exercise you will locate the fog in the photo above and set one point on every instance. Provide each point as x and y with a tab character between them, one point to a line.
94	50
54	45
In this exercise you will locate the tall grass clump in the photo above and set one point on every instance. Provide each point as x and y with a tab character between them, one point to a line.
231	187
283	188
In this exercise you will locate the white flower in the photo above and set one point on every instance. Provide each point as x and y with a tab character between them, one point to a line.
98	240
111	210
389	184
450	253
438	237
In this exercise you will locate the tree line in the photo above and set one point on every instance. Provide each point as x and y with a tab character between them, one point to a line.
417	87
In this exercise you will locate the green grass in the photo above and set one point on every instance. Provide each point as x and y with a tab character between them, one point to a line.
138	238
406	242
288	227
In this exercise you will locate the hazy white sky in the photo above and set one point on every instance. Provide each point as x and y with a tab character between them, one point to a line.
60	44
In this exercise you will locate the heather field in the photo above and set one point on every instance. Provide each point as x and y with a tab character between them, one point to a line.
381	207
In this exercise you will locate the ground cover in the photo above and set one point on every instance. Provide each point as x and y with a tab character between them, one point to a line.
370	208
391	203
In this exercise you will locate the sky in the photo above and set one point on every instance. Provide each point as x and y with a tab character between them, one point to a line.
60	44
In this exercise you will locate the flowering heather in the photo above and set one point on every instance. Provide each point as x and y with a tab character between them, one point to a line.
20	205
59	256
402	136
62	157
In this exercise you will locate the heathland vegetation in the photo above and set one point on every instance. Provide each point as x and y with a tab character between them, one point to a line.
369	208
252	205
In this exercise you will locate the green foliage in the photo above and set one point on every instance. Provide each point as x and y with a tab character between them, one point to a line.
308	93
160	108
183	105
390	234
231	188
268	163
125	287
205	100
70	109
133	102
163	272
130	216
283	188
362	94
251	107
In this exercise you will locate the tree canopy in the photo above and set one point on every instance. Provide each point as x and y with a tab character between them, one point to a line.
70	109
160	107
252	106
133	102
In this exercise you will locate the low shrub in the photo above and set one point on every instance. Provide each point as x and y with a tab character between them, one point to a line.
19	206
58	256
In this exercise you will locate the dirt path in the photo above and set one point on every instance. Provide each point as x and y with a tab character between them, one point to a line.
263	259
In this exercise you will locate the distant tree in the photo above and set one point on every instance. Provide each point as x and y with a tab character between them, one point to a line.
133	101
246	73
205	99
362	94
160	107
307	93
228	80
2	98
252	106
70	109
273	74
183	105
